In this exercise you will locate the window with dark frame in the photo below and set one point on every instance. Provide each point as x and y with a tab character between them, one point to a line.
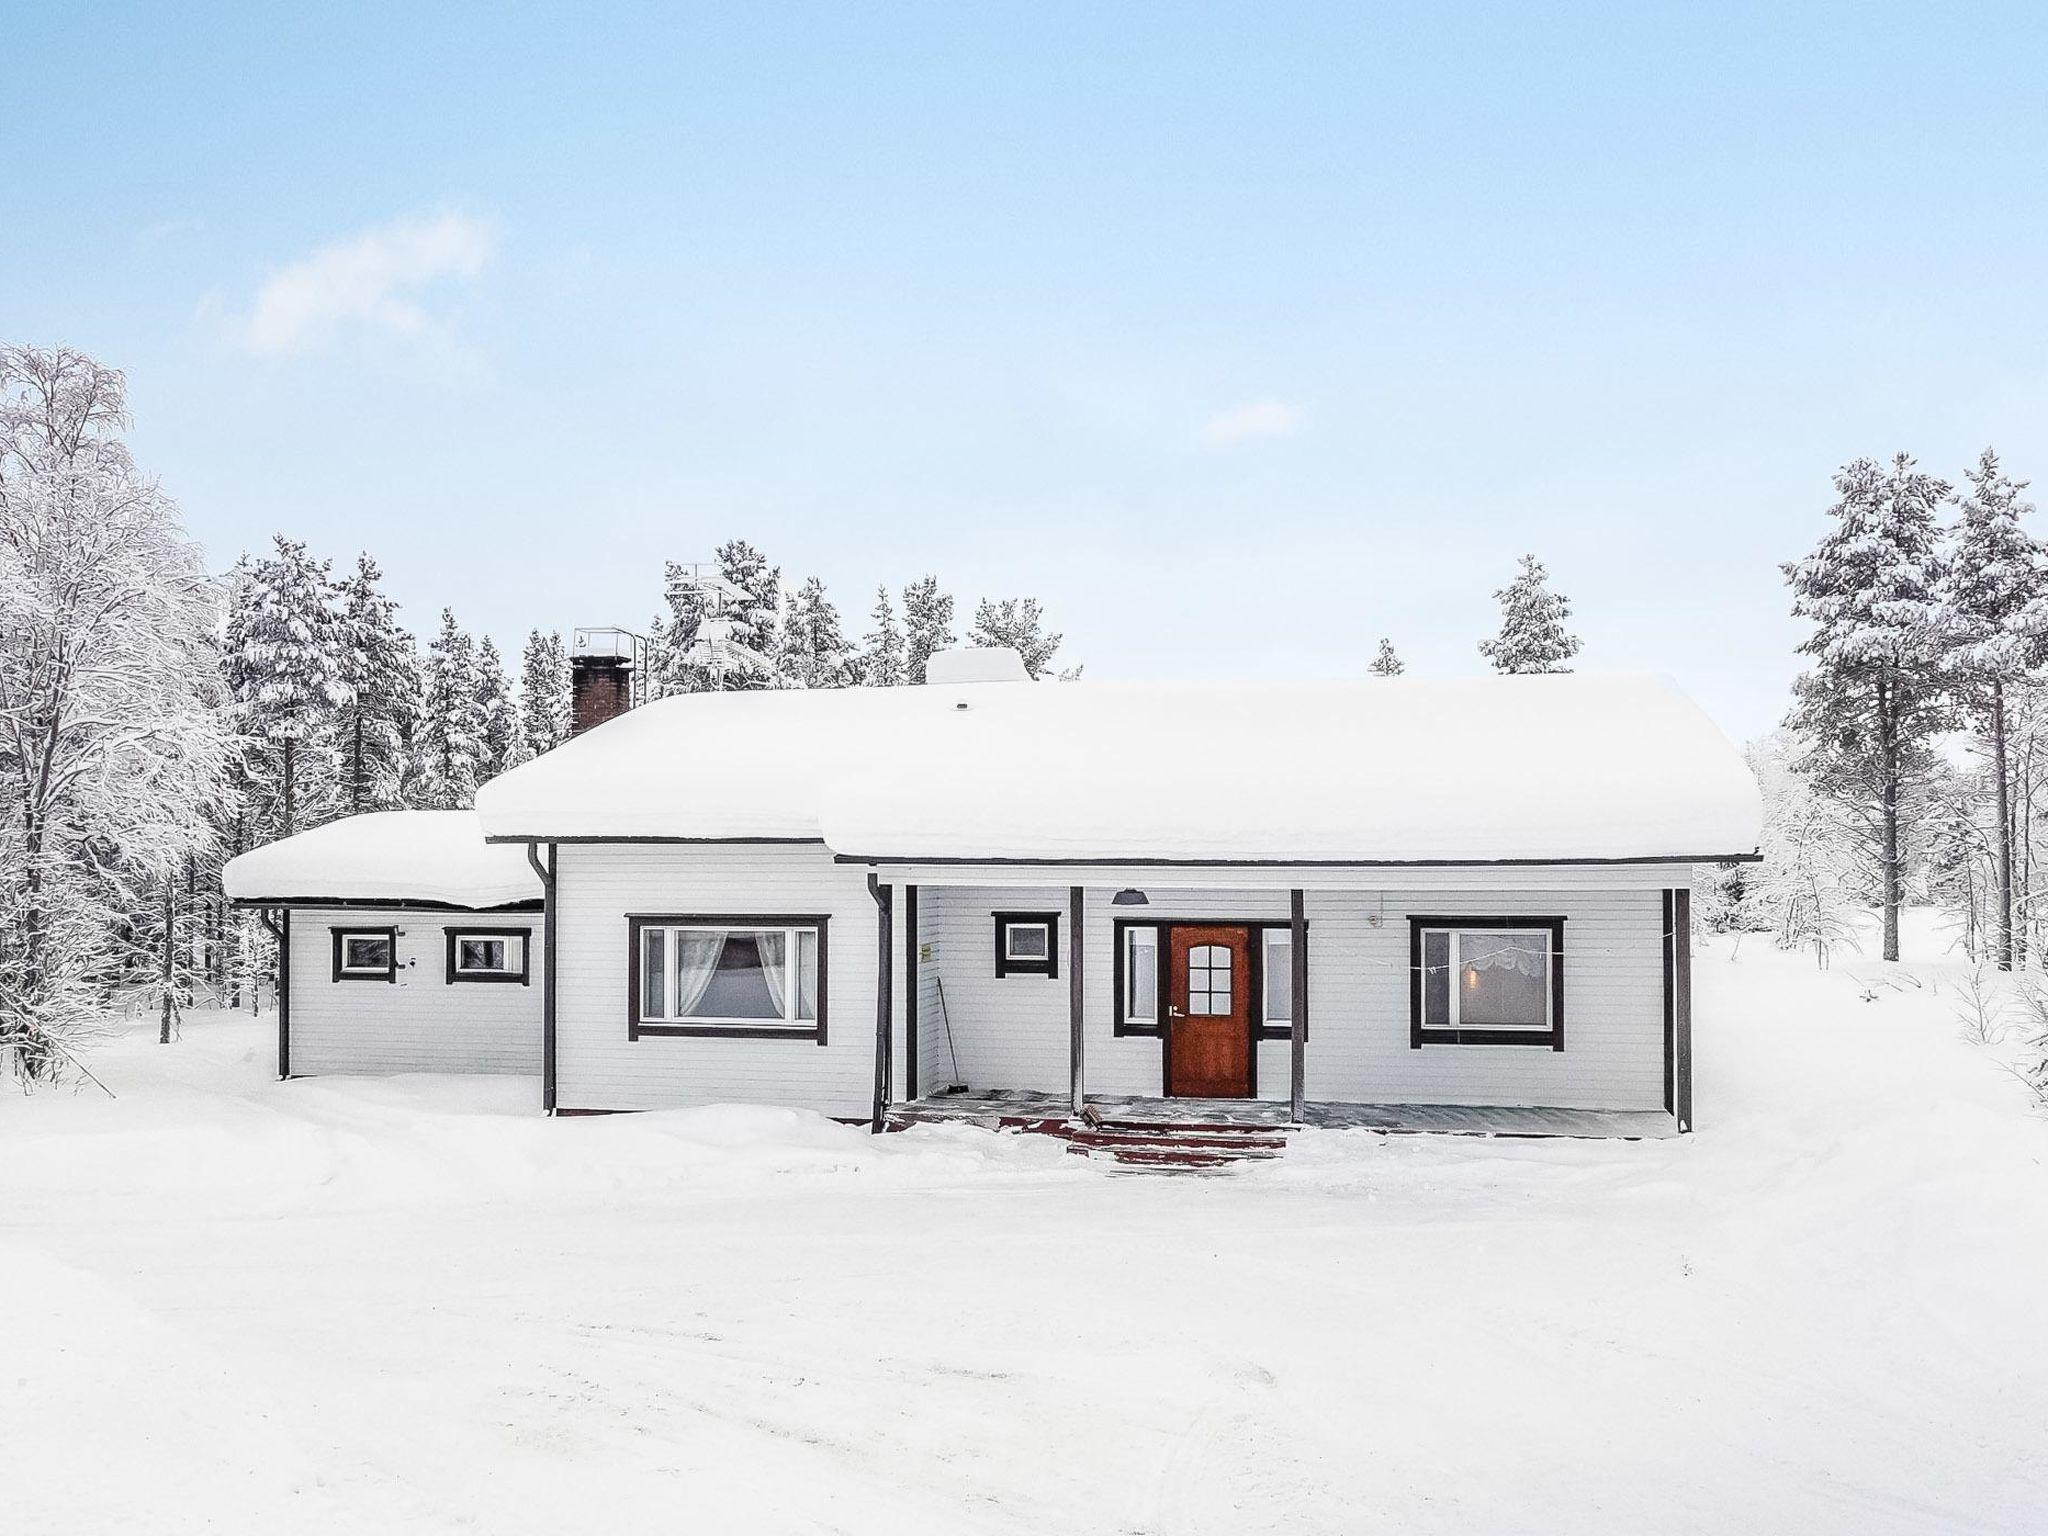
488	955
1135	982
743	976
1027	943
1486	981
365	954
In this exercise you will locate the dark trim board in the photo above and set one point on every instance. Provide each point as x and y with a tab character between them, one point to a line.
635	921
280	929
1681	1007
365	903
1257	927
548	874
1551	1038
708	842
523	976
911	968
1049	966
1670	994
1112	861
340	932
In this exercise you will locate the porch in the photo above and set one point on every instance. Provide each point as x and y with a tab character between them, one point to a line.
1020	1109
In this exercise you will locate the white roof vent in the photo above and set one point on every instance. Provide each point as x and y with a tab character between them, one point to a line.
976	664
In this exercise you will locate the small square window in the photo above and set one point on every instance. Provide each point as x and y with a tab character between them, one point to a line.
365	954
487	954
1027	943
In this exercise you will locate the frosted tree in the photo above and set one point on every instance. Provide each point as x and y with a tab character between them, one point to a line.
1386	663
287	666
716	638
544	700
497	715
451	738
380	672
1995	586
1532	635
1876	692
115	747
753	617
927	625
1807	885
814	652
881	658
1016	624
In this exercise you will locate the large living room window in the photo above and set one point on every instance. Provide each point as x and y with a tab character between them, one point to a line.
1486	981
756	977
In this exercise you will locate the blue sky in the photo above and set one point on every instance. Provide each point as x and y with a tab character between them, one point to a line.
1241	335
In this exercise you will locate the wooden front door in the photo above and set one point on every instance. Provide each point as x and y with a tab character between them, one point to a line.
1209	1013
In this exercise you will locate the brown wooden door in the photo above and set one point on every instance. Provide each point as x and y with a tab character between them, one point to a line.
1209	1013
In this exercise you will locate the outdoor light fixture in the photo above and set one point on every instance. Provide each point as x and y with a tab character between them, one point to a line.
1129	898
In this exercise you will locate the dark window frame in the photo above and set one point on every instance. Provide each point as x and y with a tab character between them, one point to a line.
523	976
1255	927
813	1030
1007	966
341	936
1548	1039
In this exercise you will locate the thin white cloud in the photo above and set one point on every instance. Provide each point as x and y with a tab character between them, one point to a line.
377	280
1242	423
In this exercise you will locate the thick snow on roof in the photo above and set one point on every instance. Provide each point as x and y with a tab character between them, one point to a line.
1408	770
436	856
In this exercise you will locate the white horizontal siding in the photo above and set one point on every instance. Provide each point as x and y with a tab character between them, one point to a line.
421	1022
1012	1032
598	885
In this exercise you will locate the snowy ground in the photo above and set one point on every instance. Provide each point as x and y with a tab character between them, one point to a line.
412	1306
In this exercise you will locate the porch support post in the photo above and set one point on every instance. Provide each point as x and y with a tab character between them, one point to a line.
1297	1022
280	927
1681	1005
1077	1095
885	993
910	973
546	874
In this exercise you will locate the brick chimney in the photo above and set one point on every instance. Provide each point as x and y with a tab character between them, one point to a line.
600	676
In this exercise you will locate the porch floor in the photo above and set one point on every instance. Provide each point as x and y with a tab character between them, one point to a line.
1021	1109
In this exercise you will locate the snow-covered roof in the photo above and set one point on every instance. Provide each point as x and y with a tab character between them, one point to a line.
399	856
1530	769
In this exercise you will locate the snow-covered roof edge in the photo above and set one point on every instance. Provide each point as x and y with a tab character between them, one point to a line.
387	858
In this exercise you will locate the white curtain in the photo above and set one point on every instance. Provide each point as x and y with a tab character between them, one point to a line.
697	955
1526	953
774	949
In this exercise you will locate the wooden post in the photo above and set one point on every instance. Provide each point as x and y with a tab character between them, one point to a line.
1681	1005
547	978
281	930
163	1035
910	971
1077	1088
1297	1023
885	993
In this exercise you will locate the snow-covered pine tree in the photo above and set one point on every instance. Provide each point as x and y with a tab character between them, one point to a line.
1018	624
927	625
1995	587
380	669
115	744
1877	691
451	739
814	652
881	658
504	743
1532	635
1386	663
544	701
754	617
289	668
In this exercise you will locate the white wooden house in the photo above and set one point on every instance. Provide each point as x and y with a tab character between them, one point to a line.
1386	901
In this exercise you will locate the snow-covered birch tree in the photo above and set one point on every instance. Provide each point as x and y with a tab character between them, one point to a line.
1532	635
1876	692
1017	624
114	747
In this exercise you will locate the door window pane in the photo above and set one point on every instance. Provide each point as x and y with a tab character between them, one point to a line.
1141	975
1209	980
1279	977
